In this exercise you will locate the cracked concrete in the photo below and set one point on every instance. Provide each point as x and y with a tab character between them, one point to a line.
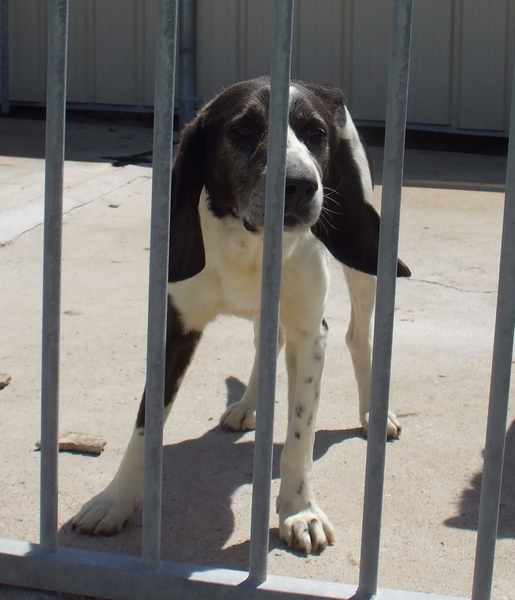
452	287
22	177
450	238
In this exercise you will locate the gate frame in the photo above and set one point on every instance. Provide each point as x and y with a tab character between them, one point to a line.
49	567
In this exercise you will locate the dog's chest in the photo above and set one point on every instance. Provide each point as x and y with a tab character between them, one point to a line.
236	256
230	282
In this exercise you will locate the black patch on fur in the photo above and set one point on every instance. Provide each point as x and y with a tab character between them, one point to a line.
301	488
297	435
308	380
186	256
299	410
180	348
349	225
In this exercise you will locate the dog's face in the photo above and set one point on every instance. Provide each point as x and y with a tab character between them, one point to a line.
236	127
328	174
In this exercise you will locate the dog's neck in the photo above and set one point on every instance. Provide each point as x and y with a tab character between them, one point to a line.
238	245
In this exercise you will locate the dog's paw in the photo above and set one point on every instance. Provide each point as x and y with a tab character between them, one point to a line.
306	529
393	429
106	513
239	416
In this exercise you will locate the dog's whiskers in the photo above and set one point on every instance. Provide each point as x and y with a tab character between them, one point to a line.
324	220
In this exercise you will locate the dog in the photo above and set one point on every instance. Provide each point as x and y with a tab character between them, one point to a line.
216	244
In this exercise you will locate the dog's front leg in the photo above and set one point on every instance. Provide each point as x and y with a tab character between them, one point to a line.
302	524
106	512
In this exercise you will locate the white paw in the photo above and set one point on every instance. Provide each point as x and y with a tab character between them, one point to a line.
393	428
106	513
239	416
304	527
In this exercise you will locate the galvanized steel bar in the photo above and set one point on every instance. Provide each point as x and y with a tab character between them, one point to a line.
4	57
119	577
158	282
499	388
187	60
385	298
270	292
52	250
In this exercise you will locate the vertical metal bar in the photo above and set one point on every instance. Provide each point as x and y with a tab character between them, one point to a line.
158	293
52	245
4	58
385	298
270	291
499	388
187	60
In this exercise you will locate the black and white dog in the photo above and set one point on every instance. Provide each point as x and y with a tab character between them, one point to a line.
215	268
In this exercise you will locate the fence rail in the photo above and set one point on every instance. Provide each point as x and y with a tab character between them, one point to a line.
4	59
52	251
49	567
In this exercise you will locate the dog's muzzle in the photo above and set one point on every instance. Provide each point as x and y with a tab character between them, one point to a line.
300	206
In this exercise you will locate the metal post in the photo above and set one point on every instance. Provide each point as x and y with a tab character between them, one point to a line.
385	298
158	292
4	58
187	60
499	388
270	292
52	245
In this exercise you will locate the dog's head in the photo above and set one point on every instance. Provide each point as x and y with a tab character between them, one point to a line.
328	174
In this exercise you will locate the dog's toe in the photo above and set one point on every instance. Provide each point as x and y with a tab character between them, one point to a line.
104	514
394	428
239	417
308	531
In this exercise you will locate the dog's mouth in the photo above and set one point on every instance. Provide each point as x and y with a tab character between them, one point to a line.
291	222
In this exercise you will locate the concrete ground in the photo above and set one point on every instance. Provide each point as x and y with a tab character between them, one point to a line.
450	238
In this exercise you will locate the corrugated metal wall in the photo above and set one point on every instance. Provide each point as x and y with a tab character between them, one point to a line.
461	66
111	51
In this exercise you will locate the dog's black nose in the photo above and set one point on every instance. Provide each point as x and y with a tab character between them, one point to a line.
298	194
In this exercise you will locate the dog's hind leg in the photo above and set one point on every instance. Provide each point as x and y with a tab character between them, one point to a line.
362	290
107	512
241	415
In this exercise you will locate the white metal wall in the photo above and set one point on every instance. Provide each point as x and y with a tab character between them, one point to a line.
461	61
111	55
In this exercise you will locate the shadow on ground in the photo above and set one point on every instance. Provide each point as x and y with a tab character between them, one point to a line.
127	139
200	477
468	509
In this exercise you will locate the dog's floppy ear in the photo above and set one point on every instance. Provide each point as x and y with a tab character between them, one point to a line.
349	224
187	257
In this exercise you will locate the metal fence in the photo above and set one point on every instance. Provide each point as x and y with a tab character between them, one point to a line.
50	567
4	59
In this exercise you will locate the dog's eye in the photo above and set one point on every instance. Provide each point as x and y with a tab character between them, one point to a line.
315	132
242	131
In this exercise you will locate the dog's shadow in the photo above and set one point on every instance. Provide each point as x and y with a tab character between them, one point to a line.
468	508
200	477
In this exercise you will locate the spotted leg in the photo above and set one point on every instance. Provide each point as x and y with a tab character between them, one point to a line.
302	523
